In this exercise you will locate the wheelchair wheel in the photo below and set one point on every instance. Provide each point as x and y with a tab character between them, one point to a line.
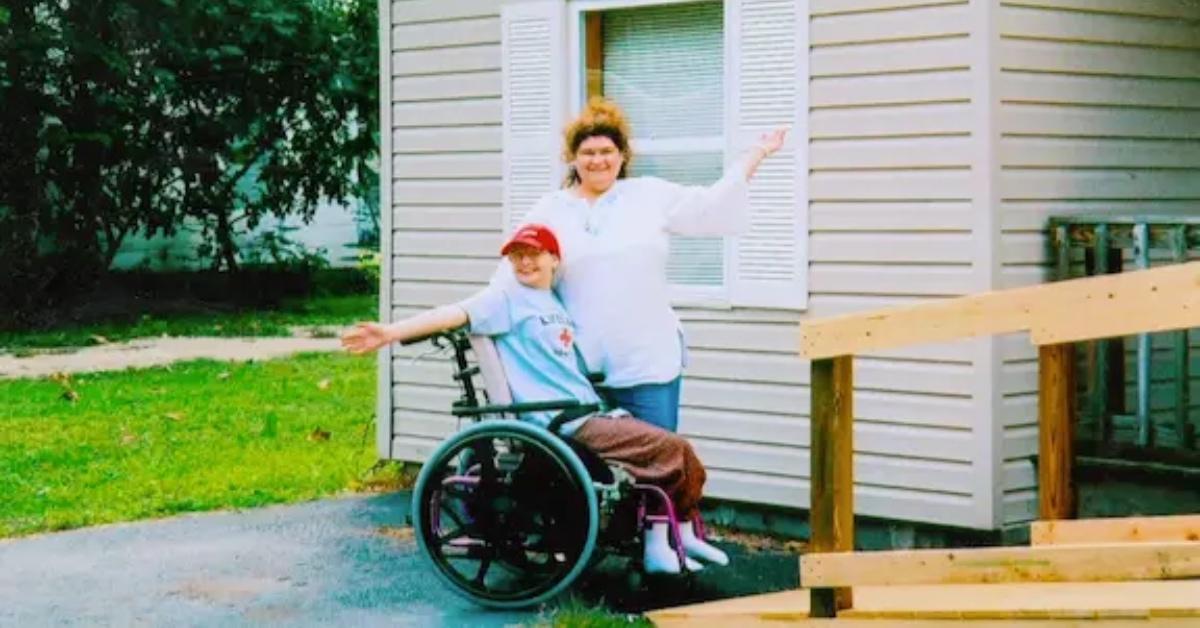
506	513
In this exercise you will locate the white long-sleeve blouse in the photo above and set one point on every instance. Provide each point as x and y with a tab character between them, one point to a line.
613	277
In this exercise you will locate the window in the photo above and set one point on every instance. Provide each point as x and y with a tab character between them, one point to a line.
665	66
701	80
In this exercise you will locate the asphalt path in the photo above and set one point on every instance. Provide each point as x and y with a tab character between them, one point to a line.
337	562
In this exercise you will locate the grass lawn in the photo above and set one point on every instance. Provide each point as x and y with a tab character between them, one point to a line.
195	436
323	310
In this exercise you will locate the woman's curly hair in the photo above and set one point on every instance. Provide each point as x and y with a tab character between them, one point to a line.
599	117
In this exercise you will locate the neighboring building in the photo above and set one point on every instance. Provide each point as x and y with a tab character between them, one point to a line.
931	141
334	232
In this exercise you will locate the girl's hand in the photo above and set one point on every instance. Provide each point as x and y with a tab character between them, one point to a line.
365	338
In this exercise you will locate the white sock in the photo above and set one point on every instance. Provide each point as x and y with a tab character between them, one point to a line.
659	557
695	547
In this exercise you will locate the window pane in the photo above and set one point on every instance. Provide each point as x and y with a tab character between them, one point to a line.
664	65
693	261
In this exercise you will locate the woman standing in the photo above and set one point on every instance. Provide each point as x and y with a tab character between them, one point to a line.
616	234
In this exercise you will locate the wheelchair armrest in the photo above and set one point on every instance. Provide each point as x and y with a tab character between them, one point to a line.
517	408
570	414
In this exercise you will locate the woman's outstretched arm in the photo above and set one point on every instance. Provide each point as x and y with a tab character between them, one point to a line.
721	208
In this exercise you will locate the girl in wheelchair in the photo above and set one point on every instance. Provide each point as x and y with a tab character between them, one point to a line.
534	338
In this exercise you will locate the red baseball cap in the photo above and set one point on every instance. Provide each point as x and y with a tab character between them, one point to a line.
534	235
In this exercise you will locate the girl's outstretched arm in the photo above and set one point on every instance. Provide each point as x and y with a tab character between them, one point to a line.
367	337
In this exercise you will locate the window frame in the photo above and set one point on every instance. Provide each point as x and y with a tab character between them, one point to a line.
708	297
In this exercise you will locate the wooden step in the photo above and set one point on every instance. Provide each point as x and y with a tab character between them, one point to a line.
1045	563
1116	530
1106	603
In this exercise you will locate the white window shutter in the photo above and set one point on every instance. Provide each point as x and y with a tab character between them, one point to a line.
534	96
768	88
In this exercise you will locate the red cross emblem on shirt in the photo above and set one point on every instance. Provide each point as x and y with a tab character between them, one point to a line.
565	337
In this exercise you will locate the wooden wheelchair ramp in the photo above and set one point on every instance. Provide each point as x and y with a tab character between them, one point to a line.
1116	572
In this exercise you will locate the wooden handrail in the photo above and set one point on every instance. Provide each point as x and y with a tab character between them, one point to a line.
1159	299
1055	315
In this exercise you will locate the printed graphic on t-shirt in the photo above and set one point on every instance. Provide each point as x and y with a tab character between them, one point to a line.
557	332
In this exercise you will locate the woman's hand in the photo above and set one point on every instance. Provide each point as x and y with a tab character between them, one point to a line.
771	142
365	338
767	145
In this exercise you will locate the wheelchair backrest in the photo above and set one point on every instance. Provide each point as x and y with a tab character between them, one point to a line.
495	382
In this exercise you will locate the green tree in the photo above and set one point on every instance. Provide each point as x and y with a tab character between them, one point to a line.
121	115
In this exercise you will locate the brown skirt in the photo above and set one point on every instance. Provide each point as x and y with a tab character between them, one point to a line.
651	455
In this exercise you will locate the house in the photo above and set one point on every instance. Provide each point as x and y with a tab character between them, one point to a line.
932	140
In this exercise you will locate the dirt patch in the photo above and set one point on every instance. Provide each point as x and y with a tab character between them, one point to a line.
147	352
757	542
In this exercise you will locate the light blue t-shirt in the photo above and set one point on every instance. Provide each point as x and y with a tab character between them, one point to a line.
536	342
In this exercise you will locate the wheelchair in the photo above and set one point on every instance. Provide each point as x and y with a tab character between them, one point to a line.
510	514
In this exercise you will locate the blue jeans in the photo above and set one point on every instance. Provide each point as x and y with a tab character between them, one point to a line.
657	404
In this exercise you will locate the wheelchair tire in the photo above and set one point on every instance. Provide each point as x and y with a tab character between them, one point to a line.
505	513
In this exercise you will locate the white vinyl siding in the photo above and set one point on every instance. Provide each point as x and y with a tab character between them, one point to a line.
446	142
1099	111
891	222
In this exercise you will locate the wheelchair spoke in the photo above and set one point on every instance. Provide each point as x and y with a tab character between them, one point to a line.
482	573
458	533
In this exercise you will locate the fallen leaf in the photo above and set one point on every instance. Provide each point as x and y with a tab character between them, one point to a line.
174	416
128	438
400	534
223	375
319	434
100	340
323	384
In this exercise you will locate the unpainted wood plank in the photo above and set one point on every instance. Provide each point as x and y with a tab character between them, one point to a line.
832	470
1158	299
1056	431
990	603
770	621
1047	563
1059	600
1116	530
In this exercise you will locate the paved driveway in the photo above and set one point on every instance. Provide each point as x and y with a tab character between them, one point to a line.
318	564
325	563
